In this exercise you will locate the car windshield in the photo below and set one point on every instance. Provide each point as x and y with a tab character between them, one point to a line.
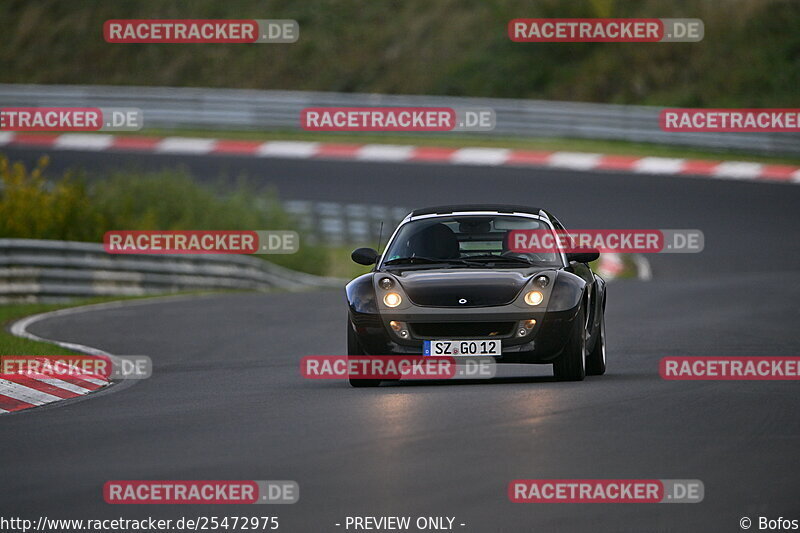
459	241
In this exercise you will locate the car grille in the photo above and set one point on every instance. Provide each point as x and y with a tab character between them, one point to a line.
454	330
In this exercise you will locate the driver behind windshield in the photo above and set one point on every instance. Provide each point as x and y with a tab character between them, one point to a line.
434	242
468	238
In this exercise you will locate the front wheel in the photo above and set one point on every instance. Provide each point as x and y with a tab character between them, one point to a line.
354	348
571	365
596	360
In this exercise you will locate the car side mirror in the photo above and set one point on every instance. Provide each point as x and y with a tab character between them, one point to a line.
584	256
364	256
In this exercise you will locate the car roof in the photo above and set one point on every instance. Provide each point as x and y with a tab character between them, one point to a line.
500	208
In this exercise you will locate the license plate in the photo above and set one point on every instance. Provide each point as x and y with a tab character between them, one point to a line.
457	348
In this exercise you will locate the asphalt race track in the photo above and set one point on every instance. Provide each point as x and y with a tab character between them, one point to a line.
227	401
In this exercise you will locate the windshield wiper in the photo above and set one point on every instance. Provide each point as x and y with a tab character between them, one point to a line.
490	257
423	260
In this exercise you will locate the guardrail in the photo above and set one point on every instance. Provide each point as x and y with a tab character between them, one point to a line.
338	224
45	270
240	109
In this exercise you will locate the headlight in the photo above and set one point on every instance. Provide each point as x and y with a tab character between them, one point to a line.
386	283
542	281
531	298
392	299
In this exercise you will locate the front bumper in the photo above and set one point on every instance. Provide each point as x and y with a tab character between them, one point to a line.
542	344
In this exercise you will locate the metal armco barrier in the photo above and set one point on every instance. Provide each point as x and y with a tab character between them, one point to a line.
44	270
339	224
240	109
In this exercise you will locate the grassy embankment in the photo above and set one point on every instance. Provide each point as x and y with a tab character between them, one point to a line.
749	56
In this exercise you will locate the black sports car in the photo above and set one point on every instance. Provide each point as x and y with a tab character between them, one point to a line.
448	284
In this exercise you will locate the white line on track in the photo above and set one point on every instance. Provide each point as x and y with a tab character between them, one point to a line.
574	160
185	145
84	141
384	152
481	156
298	149
659	165
737	170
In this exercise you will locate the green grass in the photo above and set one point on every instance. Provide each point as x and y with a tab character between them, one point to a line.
11	345
460	141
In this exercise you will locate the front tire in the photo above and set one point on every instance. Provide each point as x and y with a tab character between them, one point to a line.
354	348
571	365
596	360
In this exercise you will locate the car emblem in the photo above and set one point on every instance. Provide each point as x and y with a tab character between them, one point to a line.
462	301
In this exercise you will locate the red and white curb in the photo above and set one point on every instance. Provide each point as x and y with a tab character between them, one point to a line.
32	390
611	265
731	170
18	393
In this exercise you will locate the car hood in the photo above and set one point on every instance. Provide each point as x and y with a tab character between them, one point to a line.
448	288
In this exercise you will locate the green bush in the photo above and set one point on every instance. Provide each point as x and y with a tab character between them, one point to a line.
67	208
32	208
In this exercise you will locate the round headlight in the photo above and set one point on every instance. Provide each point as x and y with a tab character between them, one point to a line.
542	281
392	299
386	283
532	298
